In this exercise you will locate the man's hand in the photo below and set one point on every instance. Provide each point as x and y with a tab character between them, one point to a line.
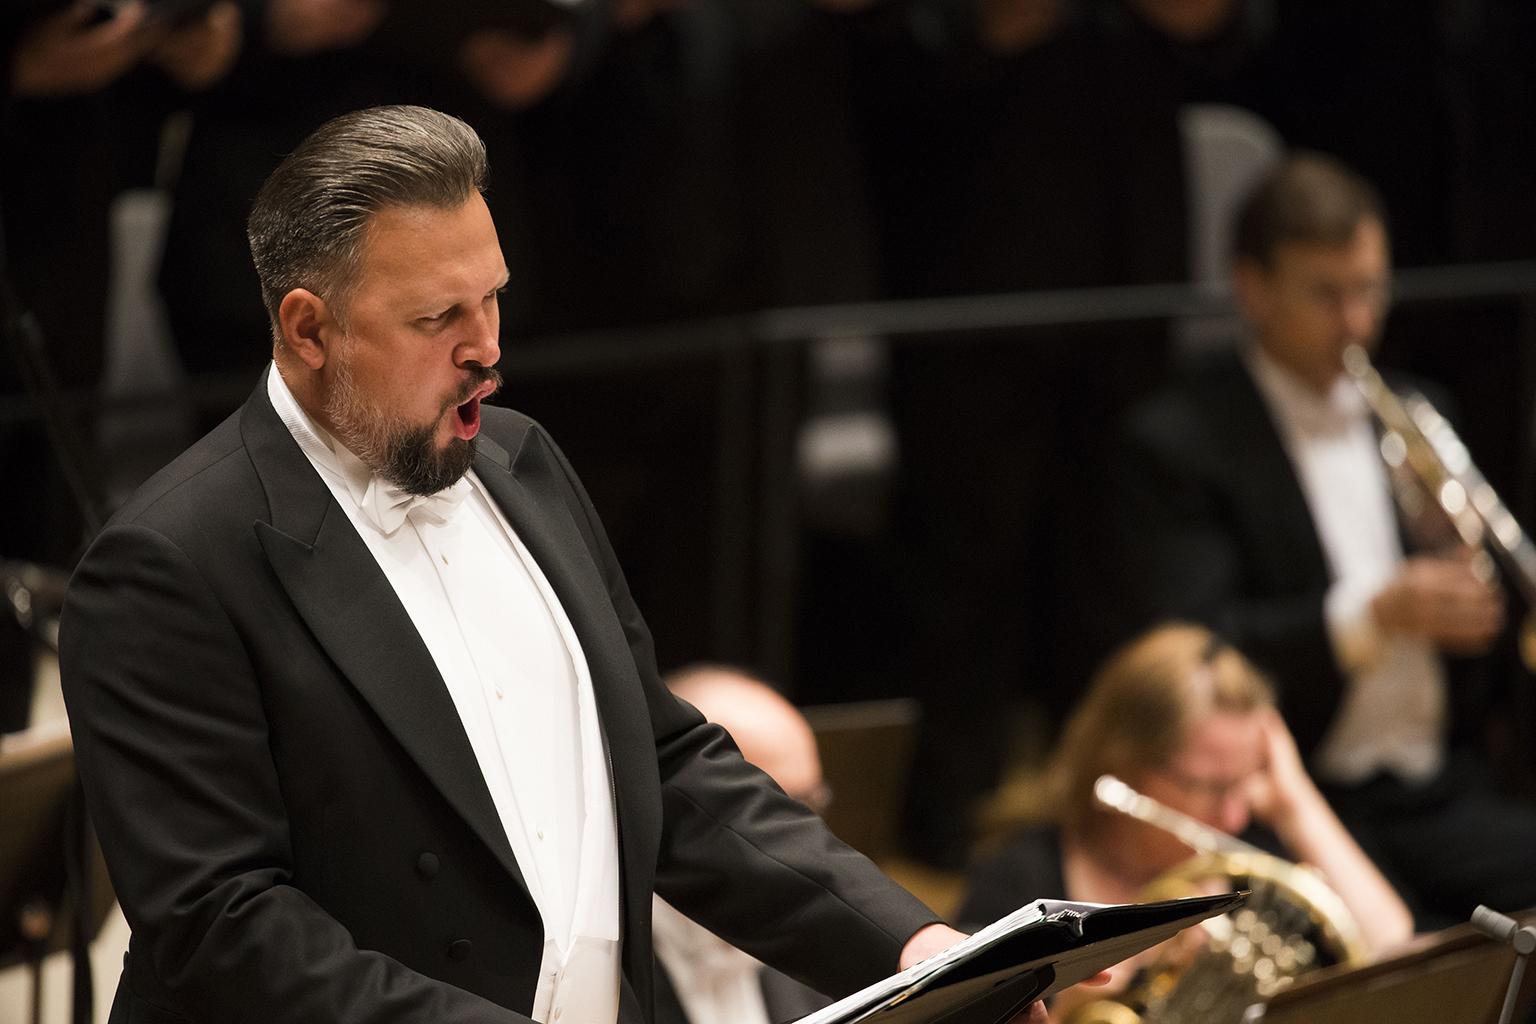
1444	601
299	28
65	54
199	53
925	942
936	938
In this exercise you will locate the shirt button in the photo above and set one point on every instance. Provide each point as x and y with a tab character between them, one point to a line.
427	865
540	833
459	949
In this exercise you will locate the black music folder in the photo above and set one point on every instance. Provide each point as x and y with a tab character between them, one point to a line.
1035	952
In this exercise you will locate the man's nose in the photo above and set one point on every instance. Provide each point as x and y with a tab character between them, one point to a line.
482	343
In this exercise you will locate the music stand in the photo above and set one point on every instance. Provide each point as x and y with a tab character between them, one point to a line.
54	893
1457	974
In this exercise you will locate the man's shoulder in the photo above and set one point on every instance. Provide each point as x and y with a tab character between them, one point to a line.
210	479
1207	398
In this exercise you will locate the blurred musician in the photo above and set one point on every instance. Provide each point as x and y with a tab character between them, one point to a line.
1187	720
1251	495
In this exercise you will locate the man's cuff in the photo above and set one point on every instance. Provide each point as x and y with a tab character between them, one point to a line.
1352	629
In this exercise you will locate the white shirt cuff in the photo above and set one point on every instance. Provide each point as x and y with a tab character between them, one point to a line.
1357	641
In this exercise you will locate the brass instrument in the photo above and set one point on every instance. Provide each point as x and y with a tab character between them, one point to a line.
1292	923
1418	439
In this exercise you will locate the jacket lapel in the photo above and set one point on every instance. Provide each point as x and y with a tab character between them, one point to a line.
350	607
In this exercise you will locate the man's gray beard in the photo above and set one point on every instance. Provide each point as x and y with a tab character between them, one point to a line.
403	454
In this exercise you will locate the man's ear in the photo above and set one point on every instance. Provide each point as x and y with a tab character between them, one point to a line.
309	326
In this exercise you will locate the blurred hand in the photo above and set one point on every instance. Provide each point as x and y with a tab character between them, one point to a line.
513	71
200	52
1013	26
1107	985
1188	21
1443	600
629	15
1282	789
65	54
298	28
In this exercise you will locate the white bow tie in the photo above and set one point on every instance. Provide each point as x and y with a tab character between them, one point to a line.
387	506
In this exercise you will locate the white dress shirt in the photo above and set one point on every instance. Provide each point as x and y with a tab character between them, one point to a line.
519	680
1392	715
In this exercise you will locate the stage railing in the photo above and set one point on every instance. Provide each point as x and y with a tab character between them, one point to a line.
759	409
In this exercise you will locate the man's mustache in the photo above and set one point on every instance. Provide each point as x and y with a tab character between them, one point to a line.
478	375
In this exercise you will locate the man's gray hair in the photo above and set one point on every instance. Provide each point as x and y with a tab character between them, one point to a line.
310	219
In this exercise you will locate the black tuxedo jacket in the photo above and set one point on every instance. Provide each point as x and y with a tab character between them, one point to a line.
292	814
1207	521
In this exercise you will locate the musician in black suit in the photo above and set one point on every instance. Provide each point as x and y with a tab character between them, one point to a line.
1251	495
367	721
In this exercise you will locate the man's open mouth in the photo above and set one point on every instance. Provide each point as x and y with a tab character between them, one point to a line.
466	421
